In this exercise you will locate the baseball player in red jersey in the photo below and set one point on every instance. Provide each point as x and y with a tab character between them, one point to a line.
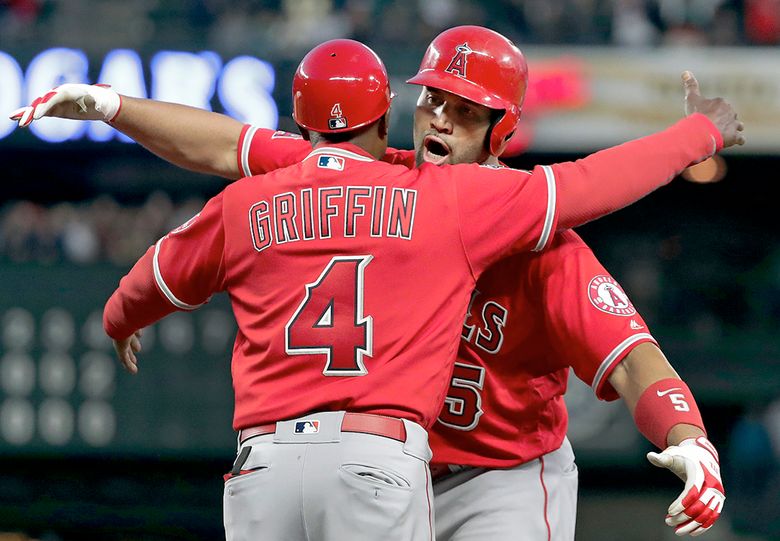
503	466
531	317
520	498
335	378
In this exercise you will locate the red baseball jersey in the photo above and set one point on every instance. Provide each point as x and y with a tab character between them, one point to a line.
261	150
348	277
532	316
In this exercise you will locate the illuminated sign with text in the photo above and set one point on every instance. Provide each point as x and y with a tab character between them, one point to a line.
243	86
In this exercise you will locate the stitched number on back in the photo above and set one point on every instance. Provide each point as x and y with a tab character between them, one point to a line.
463	403
330	320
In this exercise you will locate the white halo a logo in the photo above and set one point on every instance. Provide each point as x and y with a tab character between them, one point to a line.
606	295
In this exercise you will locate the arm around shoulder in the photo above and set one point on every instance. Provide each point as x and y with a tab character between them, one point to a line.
188	137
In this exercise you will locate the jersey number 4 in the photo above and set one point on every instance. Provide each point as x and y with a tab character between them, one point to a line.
330	320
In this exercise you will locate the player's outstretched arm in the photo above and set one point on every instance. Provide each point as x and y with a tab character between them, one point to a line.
666	413
191	138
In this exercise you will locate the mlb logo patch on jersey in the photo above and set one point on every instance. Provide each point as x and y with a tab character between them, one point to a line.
307	427
331	162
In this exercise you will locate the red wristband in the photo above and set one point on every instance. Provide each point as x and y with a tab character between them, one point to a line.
664	404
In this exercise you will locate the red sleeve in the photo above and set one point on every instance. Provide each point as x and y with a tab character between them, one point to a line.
400	157
261	150
589	318
180	272
137	302
502	211
616	177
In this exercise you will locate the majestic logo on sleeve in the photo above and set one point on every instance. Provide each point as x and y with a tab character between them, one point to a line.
606	295
457	65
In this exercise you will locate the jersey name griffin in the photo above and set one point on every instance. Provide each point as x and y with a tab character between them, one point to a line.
348	211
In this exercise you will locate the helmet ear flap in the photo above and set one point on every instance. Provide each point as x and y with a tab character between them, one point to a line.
502	129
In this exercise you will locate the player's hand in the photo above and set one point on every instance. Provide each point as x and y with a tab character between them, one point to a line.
695	461
76	101
126	350
718	110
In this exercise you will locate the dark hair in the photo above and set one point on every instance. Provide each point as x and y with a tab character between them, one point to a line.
338	137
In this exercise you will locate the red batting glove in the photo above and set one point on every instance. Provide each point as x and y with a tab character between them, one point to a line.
695	461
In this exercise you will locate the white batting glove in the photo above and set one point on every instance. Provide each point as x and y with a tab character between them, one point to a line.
76	101
695	461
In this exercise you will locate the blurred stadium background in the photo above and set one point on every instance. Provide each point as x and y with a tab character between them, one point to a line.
89	453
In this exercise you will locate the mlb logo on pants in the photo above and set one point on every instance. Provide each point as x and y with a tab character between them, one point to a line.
307	427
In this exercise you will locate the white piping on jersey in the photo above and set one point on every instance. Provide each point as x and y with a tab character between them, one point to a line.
550	215
614	354
164	287
338	152
246	144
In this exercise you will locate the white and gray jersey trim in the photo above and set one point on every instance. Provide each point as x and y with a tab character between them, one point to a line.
246	144
549	218
616	353
164	287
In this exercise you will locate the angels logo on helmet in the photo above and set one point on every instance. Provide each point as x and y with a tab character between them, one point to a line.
458	63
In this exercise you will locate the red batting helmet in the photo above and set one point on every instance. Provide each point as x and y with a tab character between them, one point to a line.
480	65
339	86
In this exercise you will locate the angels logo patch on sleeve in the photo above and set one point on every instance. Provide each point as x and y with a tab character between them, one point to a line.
607	295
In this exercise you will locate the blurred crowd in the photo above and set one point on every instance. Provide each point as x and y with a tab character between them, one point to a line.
100	230
288	28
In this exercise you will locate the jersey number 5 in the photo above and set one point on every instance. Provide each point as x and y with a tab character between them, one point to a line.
330	320
463	403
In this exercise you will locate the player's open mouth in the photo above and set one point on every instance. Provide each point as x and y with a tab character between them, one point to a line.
435	150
